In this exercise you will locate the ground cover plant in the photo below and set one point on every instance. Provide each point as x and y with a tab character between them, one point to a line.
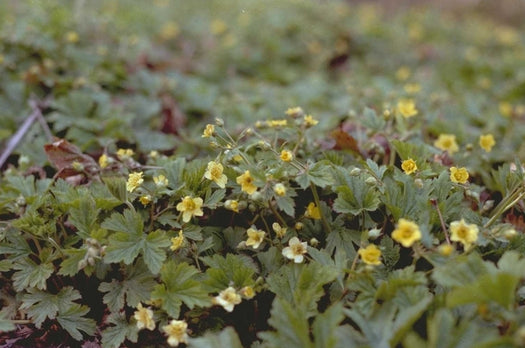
260	174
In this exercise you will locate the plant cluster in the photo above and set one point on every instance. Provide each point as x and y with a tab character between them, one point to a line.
330	199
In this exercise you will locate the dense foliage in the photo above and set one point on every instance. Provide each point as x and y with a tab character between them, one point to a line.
260	173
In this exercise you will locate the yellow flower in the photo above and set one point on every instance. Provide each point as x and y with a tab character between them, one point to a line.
447	142
246	182
403	73
277	123
255	237
406	233
160	181
458	175
445	249
279	231
218	27
412	88
169	31
295	250
247	292
176	331
312	211
214	173
370	255
177	242
144	318
228	298
487	142
134	181
103	161
125	154
505	109
466	234
309	121
294	112
208	131
407	108
409	166
286	155
145	200
279	189
72	37
232	204
190	207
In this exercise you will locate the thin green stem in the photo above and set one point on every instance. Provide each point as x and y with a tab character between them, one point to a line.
507	203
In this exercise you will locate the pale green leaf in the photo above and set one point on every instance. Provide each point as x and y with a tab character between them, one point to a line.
30	274
226	338
73	321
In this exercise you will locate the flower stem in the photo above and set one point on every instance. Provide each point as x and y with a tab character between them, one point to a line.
318	204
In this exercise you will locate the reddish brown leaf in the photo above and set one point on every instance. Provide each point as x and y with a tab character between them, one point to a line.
344	141
62	154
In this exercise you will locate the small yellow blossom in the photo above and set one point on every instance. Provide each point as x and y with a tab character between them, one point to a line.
247	292
409	166
160	181
294	112
177	242
228	298
445	249
406	233
246	182
277	123
487	142
214	173
145	200
72	37
403	73
370	255
407	108
312	211
103	161
459	175
286	155
209	131
144	318
237	158
232	204
299	226
447	142
190	207
169	31
177	332
153	154
309	121
279	189
279	230
466	234
134	181
505	109
218	27
412	88
125	154
295	250
255	237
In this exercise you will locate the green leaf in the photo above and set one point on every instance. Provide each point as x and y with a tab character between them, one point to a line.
41	305
286	204
291	325
460	271
179	286
174	172
73	321
226	338
301	285
115	335
6	324
84	217
69	266
319	174
325	326
31	274
511	262
135	288
224	270
499	288
130	241
117	187
211	200
356	196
